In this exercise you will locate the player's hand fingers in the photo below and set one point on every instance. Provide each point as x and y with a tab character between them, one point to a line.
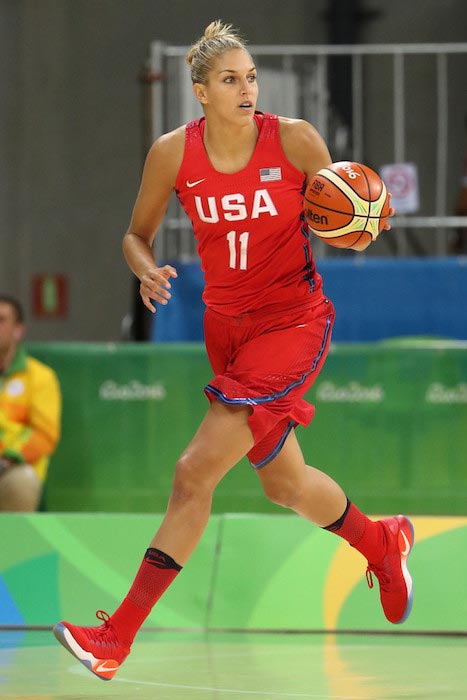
154	285
387	225
155	282
148	305
148	295
161	275
169	271
392	211
154	290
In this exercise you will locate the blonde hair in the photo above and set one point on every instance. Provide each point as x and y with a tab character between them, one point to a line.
217	39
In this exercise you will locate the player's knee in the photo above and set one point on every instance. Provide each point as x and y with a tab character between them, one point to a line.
190	481
283	493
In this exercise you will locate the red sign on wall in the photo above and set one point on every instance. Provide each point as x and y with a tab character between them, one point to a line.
49	296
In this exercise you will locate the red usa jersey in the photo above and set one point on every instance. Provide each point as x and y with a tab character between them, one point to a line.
253	241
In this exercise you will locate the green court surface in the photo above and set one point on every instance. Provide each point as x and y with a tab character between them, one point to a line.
223	666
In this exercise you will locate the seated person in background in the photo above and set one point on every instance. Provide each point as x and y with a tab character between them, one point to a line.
30	413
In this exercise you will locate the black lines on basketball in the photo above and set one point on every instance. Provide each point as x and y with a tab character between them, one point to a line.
342	202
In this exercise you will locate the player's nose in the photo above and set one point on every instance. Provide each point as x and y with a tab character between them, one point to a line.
244	87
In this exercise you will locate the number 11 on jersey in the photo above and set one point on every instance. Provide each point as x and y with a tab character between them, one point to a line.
243	240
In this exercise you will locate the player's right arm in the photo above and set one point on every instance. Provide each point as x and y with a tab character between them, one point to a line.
159	175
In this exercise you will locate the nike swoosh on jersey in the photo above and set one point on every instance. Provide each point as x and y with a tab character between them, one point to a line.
197	182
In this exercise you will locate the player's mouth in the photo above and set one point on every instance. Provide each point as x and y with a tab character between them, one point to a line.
246	105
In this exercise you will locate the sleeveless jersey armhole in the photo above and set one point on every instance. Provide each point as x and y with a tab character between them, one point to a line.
193	141
273	120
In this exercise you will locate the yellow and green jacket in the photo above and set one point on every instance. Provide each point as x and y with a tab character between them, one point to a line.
30	412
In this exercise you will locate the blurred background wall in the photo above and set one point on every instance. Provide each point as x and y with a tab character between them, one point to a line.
71	136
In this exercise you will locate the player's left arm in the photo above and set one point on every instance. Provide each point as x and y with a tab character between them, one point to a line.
306	149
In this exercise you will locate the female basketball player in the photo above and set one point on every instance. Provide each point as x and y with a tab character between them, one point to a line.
240	176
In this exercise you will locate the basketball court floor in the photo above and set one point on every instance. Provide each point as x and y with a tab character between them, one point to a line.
254	666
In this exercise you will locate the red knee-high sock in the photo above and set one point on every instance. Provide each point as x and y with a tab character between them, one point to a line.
367	536
156	573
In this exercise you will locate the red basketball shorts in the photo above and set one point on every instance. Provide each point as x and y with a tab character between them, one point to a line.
268	361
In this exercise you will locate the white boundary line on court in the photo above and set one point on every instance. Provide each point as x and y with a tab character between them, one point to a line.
268	693
80	671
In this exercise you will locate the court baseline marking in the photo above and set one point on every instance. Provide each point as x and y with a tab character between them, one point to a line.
80	671
269	693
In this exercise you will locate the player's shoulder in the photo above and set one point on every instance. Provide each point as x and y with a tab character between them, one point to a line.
165	156
303	145
169	144
297	130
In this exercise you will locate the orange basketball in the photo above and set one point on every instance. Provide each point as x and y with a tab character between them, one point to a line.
346	205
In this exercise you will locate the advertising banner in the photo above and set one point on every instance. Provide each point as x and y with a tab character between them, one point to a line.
389	426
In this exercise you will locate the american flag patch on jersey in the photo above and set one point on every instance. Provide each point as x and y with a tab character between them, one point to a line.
270	174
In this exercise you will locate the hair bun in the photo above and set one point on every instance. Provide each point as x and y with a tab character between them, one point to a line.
217	38
218	29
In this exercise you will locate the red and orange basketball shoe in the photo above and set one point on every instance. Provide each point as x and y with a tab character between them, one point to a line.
98	648
395	582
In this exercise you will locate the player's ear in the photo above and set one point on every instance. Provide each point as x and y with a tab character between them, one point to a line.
200	92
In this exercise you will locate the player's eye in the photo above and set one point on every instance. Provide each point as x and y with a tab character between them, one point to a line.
251	78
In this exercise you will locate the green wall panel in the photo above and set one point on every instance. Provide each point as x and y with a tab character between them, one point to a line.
249	572
389	426
439	577
90	563
33	583
264	562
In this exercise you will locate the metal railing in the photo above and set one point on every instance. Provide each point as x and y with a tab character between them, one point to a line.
401	111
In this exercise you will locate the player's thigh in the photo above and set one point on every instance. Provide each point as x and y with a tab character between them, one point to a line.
20	489
222	439
284	474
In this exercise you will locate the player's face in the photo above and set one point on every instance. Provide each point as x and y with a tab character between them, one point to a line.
10	329
231	90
